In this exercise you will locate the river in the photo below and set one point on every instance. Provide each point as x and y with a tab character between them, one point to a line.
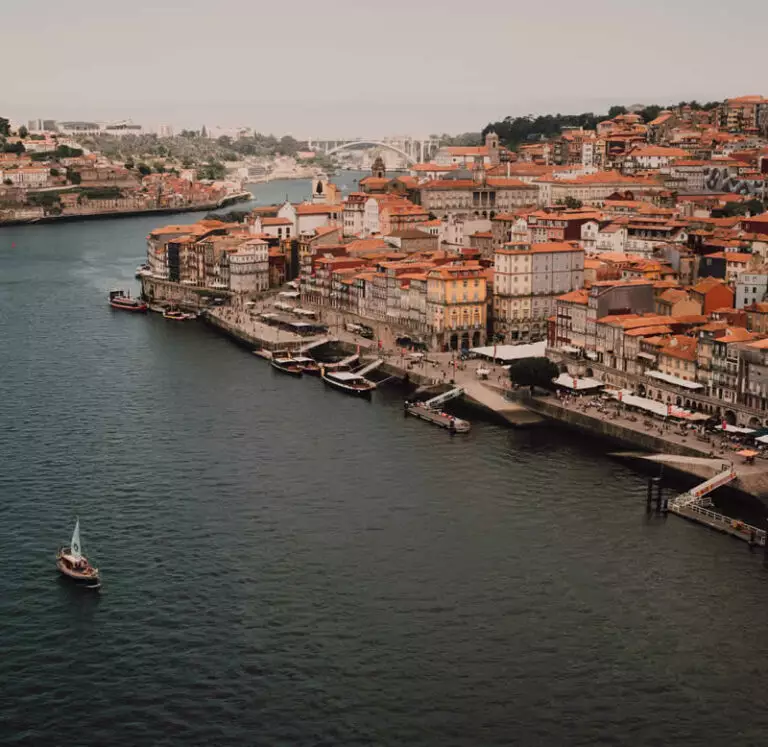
284	565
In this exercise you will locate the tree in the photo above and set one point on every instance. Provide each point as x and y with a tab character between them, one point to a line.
650	113
144	169
23	132
615	111
54	172
7	182
14	147
212	171
129	165
754	206
533	372
5	127
64	151
572	203
159	168
288	146
74	176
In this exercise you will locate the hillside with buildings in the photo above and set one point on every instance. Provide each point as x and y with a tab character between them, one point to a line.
637	249
49	175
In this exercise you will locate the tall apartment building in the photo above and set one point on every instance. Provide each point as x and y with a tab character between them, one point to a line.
527	280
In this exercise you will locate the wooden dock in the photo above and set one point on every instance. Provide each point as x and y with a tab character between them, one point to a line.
440	419
695	505
720	522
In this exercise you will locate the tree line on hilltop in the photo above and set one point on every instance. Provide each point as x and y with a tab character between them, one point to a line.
514	131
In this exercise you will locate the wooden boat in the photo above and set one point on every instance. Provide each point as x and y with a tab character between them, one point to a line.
74	565
308	365
287	365
348	382
119	300
177	315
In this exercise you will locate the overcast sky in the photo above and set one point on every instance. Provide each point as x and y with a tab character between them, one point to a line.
370	68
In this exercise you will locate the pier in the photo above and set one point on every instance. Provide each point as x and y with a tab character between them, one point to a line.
429	412
695	505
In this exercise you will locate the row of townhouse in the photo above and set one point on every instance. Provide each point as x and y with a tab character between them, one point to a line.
441	299
209	254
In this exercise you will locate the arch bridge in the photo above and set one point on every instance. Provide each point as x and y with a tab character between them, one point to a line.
413	150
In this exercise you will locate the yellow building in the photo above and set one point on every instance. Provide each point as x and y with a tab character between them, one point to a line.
456	305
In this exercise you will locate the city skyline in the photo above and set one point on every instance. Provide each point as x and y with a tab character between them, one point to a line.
343	69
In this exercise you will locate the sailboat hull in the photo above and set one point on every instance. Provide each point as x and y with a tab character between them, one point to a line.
88	577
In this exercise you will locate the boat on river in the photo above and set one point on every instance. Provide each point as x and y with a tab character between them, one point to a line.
119	300
177	315
308	365
287	365
348	382
73	565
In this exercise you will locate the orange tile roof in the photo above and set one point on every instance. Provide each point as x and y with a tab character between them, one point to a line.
658	151
545	248
276	222
681	346
578	296
737	334
308	208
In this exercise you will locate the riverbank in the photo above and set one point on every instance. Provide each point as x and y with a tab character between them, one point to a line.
133	213
494	395
683	450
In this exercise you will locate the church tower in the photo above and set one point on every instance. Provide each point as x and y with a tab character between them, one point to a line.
379	170
492	143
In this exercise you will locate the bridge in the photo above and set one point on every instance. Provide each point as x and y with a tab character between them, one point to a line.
413	149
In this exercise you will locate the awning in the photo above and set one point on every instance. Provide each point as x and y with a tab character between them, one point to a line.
728	428
577	383
673	380
747	453
592	356
647	356
651	405
570	349
508	353
762	439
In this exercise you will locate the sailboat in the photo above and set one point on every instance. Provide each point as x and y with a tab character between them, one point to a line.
74	565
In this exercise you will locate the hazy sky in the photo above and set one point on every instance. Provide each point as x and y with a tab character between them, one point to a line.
366	67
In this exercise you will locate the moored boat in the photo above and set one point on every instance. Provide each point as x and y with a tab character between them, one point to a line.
348	382
119	300
308	365
287	365
177	315
74	565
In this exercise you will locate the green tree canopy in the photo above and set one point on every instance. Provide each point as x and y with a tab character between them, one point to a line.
572	203
5	127
533	372
143	169
614	111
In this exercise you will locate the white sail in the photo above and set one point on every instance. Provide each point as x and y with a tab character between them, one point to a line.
74	545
